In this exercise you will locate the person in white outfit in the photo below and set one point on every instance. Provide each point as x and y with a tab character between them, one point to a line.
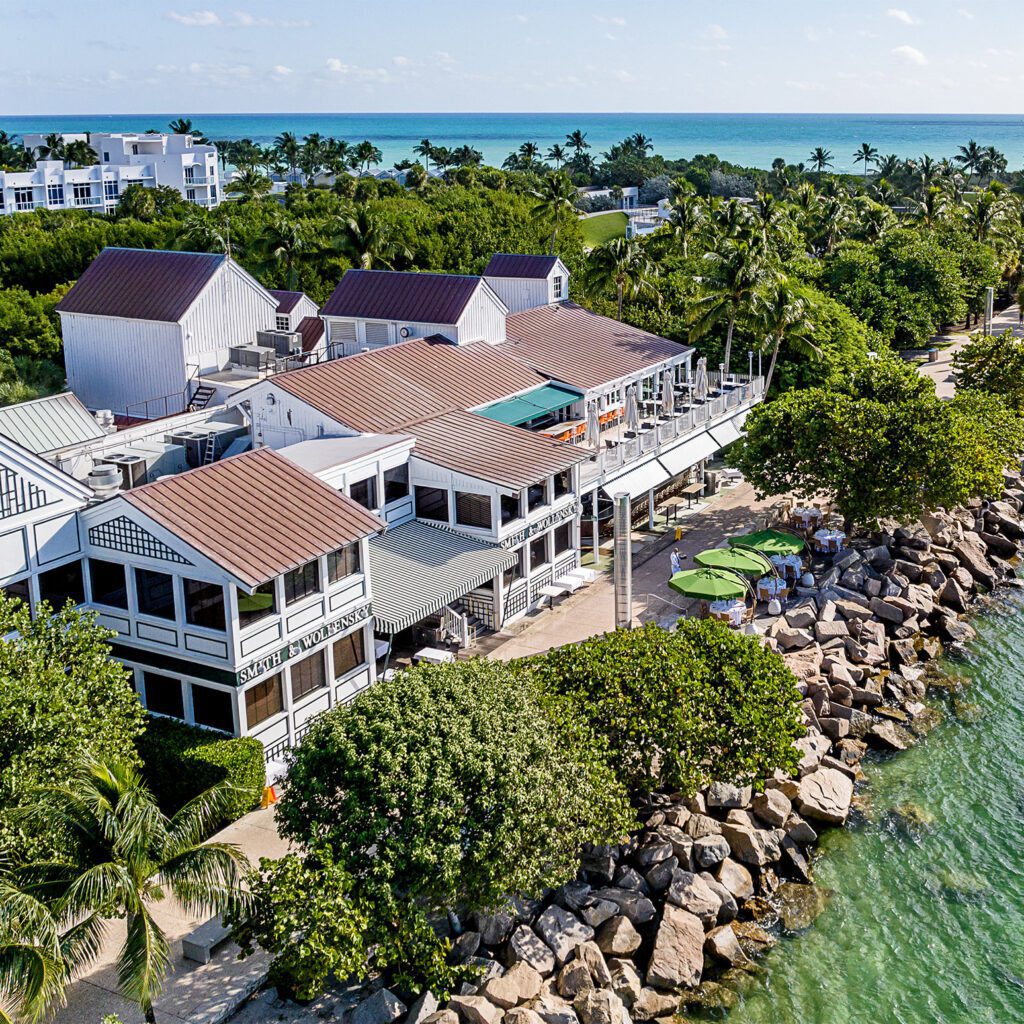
677	564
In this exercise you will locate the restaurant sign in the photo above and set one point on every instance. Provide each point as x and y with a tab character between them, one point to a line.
305	643
540	526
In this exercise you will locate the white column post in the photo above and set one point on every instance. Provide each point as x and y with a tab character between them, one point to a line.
595	527
650	509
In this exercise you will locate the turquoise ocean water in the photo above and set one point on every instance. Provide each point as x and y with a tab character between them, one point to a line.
926	925
748	139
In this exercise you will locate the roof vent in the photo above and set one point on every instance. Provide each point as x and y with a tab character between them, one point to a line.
105	418
104	481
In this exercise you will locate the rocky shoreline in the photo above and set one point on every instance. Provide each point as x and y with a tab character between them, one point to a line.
676	917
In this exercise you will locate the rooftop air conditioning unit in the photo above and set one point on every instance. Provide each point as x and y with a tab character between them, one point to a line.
133	468
284	343
253	357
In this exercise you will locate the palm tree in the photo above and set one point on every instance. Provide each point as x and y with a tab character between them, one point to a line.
336	156
638	143
467	156
819	159
687	214
80	154
425	149
833	219
288	146
866	155
250	185
126	855
770	215
53	148
931	207
730	218
558	155
875	219
286	243
556	198
969	158
311	155
622	264
183	126
369	241
528	154
577	142
984	217
733	274
927	170
890	166
367	153
783	313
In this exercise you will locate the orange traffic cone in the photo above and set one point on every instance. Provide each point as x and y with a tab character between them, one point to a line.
269	796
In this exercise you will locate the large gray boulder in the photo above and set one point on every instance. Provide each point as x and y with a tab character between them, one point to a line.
825	795
722	794
618	937
383	1007
525	946
772	807
589	953
752	845
638	908
651	1005
600	1007
678	956
692	893
722	944
710	850
562	931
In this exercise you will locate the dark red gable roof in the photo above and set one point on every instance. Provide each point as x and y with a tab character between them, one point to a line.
398	295
312	330
505	264
286	301
141	284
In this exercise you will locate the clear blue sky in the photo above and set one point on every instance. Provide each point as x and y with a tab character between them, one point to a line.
140	56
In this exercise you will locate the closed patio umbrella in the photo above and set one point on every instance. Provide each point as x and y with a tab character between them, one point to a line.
770	542
708	584
593	426
700	381
632	410
668	394
746	561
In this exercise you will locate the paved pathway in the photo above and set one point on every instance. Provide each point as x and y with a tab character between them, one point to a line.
193	993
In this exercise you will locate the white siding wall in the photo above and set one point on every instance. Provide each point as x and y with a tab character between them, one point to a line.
288	420
113	363
483	320
519	293
229	312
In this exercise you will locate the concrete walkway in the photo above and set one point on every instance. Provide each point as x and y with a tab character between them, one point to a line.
193	993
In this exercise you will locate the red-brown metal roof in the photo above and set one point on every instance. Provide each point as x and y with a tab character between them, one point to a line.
141	284
384	389
398	295
256	515
508	264
570	344
492	451
312	330
286	301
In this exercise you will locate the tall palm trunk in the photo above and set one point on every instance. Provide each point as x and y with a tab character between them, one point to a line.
771	365
728	343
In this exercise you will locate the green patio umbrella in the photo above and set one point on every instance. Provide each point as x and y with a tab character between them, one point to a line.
769	542
708	584
748	561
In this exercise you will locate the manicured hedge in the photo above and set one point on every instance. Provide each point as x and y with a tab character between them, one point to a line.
180	761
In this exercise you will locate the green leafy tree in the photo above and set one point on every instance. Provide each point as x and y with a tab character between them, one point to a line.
621	264
249	186
451	787
680	709
994	365
122	856
866	155
556	200
62	698
782	311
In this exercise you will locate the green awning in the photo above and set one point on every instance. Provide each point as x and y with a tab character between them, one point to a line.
522	408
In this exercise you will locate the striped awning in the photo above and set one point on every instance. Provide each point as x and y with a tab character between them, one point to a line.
416	570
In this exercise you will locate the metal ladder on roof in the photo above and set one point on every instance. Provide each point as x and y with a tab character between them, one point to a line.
210	449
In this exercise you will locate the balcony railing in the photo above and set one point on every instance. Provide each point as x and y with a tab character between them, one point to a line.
664	431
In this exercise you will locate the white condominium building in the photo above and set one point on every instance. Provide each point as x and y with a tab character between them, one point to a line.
124	159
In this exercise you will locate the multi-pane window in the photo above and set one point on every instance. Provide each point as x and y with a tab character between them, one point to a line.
536	495
509	508
190	194
253	607
308	675
343	562
263	701
364	492
472	509
212	708
432	503
302	582
56	586
55	194
282	321
538	551
154	592
563	538
23	199
109	583
563	483
557	286
396	483
349	653
518	570
163	695
204	604
111	191
18	591
82	192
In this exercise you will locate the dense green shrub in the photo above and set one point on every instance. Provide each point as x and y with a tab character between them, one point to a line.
680	709
179	761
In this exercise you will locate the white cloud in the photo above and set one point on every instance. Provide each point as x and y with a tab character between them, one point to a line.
964	13
280	69
197	19
401	61
715	31
911	54
901	15
623	76
601	20
355	72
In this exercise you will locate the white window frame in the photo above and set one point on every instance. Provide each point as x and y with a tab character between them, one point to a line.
558	286
79	199
55	193
283	322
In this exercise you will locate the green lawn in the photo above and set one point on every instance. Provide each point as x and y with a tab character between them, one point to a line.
600	229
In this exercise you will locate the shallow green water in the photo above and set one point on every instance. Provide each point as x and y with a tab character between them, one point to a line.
925	927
